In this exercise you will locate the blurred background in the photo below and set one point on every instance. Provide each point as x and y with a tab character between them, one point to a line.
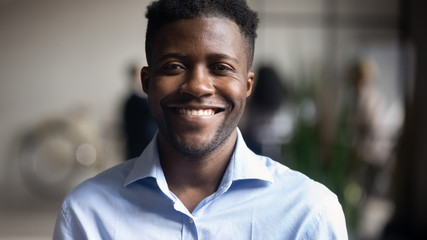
339	95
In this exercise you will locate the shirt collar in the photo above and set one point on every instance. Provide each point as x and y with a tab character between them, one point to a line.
146	165
244	164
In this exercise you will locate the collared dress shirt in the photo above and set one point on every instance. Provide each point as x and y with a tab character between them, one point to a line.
258	198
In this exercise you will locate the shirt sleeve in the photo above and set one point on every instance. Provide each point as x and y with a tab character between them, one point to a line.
326	222
67	227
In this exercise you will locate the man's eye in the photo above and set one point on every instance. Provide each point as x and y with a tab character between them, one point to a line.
221	67
173	68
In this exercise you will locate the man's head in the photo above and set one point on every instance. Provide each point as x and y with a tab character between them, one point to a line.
166	11
198	78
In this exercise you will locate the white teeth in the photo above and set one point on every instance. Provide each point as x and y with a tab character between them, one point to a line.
194	112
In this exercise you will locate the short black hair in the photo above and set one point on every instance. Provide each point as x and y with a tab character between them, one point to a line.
162	12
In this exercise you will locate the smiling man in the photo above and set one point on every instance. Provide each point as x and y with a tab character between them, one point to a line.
197	179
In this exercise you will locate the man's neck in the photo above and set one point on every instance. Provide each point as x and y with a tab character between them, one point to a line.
193	179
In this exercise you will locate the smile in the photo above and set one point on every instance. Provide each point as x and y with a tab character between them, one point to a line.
197	112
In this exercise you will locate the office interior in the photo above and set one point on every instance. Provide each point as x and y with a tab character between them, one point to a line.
353	115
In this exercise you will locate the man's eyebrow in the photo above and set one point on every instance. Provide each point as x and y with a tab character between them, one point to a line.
222	56
171	55
211	56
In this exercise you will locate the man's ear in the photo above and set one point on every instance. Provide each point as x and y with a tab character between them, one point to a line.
250	83
145	78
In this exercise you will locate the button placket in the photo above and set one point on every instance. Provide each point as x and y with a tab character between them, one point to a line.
189	228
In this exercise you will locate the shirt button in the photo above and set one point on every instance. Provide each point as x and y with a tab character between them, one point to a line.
191	220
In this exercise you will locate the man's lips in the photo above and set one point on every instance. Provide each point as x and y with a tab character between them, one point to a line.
197	111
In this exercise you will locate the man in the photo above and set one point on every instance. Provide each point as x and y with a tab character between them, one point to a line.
197	179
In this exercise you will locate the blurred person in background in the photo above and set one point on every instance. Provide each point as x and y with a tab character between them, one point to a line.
197	179
270	110
376	125
138	124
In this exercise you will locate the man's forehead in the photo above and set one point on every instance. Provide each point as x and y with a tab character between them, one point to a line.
213	25
215	35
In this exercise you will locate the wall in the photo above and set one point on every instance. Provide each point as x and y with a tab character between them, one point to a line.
58	56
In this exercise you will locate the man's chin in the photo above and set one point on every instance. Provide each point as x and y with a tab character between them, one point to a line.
194	150
195	145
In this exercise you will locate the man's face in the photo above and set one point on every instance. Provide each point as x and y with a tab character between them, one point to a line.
197	83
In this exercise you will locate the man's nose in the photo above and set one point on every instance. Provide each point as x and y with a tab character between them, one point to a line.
198	83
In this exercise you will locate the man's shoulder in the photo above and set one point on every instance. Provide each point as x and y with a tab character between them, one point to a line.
104	183
289	182
314	207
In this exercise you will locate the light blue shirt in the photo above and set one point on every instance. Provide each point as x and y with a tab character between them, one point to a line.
258	198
